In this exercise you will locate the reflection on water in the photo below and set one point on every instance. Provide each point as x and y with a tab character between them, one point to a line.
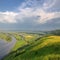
2	43
5	47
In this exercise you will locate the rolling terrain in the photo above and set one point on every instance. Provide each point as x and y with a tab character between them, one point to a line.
35	47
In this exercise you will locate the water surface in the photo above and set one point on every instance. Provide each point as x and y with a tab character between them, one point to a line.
5	47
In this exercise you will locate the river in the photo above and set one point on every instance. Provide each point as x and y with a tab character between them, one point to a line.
5	47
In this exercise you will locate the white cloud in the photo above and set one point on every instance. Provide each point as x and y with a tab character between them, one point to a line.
49	3
32	11
44	16
28	12
8	17
11	17
47	16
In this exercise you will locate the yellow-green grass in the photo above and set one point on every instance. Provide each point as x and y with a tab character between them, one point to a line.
51	57
17	37
31	37
49	41
21	42
44	49
5	37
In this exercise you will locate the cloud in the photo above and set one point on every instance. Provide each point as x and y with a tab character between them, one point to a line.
43	16
8	17
47	16
49	4
40	15
35	8
28	10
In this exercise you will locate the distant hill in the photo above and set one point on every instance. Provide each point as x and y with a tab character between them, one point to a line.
55	32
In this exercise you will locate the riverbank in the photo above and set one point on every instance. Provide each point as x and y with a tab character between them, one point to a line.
7	47
46	48
5	36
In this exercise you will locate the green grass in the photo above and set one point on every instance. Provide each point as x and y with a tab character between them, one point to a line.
5	37
19	44
46	48
23	41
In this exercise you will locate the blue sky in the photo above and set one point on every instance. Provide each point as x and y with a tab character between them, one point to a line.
9	5
29	14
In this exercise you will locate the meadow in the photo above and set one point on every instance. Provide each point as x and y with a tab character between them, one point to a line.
35	47
5	36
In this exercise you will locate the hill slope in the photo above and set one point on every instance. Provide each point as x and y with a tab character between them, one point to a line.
46	48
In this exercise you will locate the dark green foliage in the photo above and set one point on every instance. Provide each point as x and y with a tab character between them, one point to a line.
56	32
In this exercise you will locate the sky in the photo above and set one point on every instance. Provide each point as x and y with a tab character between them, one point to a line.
29	14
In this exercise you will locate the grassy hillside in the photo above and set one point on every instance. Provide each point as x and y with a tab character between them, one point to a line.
24	39
5	36
45	48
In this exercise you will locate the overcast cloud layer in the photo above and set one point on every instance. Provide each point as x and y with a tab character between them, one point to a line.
33	15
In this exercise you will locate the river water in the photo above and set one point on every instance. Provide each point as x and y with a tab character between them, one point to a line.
5	47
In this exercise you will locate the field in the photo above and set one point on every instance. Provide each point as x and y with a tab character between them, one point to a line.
35	47
5	36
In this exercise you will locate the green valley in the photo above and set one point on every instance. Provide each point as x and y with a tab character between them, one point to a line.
33	46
